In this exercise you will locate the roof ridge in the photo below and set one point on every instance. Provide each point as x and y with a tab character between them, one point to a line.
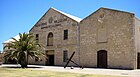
68	15
116	10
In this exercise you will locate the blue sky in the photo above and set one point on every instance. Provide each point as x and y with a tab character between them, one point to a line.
18	16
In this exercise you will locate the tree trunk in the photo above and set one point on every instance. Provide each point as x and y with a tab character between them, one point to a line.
27	58
23	62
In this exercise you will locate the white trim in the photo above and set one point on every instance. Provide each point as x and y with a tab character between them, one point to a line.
71	16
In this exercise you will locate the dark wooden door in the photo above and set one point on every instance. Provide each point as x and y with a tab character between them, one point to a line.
138	61
51	60
102	59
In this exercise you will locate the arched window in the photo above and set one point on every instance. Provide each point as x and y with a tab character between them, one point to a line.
50	39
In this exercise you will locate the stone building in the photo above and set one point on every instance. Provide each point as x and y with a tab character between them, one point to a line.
57	32
110	39
107	38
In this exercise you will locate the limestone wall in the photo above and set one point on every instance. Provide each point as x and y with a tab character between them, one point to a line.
137	34
116	29
55	22
137	38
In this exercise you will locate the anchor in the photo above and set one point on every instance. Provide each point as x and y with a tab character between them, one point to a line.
70	60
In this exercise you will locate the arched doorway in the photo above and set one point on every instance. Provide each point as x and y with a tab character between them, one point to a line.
50	39
50	57
50	53
102	59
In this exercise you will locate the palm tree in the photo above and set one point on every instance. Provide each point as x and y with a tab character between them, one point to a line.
23	48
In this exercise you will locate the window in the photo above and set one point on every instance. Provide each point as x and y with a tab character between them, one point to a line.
65	56
50	39
65	34
37	38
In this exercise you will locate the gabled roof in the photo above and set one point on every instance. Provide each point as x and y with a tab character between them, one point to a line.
107	9
11	40
116	10
77	19
68	15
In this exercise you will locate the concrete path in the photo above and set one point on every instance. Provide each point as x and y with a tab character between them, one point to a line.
115	72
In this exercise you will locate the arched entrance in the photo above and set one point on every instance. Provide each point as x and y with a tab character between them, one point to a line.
50	57
102	59
50	53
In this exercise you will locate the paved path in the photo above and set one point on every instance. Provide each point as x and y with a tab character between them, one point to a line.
115	72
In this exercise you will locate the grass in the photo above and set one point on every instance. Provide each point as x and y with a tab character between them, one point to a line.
29	72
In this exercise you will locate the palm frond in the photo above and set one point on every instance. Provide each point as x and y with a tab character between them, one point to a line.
23	48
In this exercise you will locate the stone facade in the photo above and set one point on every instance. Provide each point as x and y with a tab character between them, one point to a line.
115	32
112	31
107	38
56	22
137	41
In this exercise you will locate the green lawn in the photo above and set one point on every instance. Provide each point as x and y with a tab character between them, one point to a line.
19	72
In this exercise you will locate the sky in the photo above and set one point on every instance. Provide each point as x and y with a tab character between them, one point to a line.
18	16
